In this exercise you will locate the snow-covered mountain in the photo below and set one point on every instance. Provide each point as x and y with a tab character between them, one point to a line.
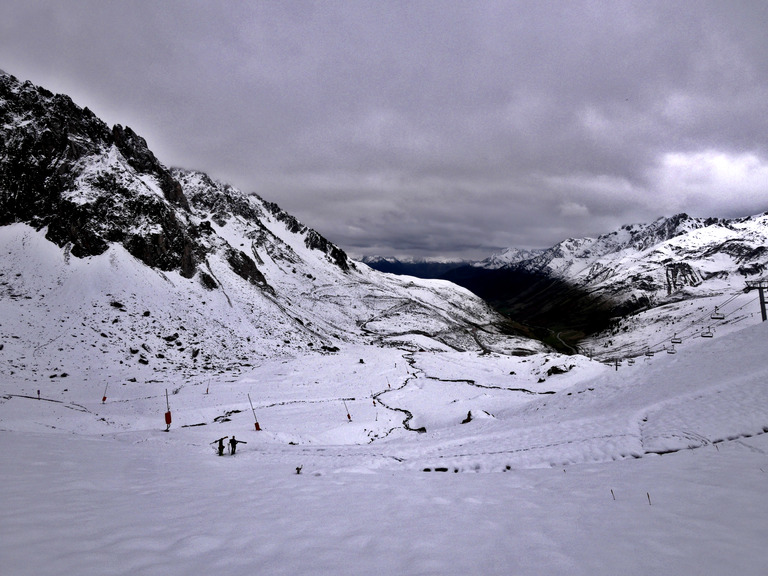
165	269
508	257
671	278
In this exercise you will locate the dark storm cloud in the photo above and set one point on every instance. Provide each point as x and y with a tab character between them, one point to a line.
429	128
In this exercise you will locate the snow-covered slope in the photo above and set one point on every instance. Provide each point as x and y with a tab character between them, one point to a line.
663	280
508	257
656	468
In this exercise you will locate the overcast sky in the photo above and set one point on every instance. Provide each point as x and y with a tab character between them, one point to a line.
445	128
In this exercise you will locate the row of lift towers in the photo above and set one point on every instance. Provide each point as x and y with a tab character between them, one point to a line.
760	285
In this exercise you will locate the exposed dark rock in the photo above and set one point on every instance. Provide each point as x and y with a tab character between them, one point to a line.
558	370
208	281
680	274
44	140
313	239
245	267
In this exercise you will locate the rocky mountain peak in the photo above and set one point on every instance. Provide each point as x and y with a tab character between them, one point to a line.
134	149
63	169
247	273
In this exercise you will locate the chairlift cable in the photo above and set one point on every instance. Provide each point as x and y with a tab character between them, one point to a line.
699	320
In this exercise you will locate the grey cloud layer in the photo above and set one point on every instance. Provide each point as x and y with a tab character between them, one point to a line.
430	128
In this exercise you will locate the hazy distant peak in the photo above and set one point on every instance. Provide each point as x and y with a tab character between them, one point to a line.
410	266
509	256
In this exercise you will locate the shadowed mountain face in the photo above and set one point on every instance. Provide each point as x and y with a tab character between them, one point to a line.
535	304
418	268
539	306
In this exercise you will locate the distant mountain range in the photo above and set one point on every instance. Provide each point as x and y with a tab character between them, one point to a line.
580	289
166	268
420	268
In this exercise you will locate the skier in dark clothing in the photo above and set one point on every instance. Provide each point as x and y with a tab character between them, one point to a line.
219	448
233	445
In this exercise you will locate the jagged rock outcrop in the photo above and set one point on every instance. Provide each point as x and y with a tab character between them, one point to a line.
63	169
679	275
134	149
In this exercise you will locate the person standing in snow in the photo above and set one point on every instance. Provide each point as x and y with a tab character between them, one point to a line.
220	447
233	445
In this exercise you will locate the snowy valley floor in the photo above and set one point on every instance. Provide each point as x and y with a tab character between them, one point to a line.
658	468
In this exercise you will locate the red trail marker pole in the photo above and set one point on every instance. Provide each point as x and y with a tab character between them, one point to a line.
168	412
104	398
349	418
255	420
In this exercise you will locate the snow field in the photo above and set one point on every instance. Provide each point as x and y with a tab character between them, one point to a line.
573	481
151	505
122	497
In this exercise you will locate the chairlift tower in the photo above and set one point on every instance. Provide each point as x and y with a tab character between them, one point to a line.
761	285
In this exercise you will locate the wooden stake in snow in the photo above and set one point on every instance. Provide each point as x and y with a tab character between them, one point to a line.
168	412
104	398
649	498
255	420
349	418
